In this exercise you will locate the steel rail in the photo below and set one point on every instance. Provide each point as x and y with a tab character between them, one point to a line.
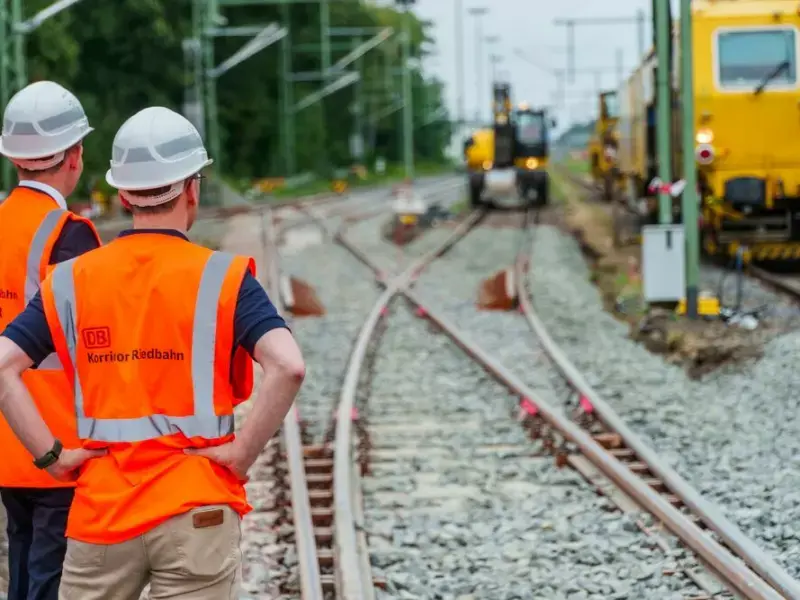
733	570
736	573
305	540
786	285
761	562
711	515
349	571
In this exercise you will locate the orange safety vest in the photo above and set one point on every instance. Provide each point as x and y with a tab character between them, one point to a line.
30	224
145	329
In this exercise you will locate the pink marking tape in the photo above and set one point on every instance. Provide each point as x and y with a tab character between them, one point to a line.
585	405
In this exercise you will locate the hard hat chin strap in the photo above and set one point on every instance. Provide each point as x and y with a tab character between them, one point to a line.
38	164
138	199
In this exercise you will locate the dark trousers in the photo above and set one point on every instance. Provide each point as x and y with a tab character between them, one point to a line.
37	519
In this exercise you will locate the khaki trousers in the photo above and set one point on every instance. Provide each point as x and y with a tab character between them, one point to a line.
194	556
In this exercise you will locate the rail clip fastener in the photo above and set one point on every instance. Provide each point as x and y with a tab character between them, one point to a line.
527	409
421	312
585	405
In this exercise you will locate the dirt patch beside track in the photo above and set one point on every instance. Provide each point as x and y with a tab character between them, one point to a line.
700	346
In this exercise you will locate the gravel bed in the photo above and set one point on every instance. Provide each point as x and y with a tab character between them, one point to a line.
735	434
460	505
347	291
452	285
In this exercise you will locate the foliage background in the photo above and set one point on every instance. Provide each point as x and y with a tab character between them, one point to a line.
120	56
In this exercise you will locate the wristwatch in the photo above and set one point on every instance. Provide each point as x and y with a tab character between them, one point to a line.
50	457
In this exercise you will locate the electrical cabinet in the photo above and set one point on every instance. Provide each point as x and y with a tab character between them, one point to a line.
663	263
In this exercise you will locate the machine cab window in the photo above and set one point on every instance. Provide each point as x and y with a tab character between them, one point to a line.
610	105
750	58
531	128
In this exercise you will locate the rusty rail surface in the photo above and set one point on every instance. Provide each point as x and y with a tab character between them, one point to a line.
708	513
737	575
307	557
351	579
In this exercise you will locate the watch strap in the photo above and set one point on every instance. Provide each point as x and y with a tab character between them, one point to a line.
50	457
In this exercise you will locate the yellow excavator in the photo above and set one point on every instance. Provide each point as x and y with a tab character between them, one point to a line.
604	144
507	164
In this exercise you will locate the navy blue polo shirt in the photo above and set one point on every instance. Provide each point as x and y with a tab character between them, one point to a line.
255	314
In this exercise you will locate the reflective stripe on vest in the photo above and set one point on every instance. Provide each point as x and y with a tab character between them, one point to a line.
32	272
204	422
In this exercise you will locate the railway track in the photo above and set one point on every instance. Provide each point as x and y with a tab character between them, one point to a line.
289	552
785	283
608	449
333	560
689	515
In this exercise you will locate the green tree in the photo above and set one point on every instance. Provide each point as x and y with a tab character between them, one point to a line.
121	56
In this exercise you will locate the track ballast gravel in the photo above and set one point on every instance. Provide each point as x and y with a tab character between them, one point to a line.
733	434
459	503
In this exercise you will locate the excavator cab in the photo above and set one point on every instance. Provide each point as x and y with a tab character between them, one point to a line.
532	153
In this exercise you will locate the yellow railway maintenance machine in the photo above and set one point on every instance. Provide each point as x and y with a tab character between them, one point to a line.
507	164
604	144
747	127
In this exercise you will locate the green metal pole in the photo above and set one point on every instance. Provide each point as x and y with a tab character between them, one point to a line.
664	110
211	89
408	126
325	40
19	46
325	26
690	198
198	58
359	122
287	104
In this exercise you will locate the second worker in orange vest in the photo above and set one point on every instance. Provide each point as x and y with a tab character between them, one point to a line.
157	335
44	127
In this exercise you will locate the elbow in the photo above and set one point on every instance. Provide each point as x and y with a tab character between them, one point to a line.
294	371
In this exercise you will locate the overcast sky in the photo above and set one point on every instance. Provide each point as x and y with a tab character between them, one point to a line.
527	26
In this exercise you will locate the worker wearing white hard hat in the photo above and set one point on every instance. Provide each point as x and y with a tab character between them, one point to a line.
160	359
43	130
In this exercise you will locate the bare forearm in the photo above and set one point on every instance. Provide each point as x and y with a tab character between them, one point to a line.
22	415
274	399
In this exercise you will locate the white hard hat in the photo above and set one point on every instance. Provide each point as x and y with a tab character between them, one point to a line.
42	120
156	147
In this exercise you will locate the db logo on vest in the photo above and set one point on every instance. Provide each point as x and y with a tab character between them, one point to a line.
96	337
